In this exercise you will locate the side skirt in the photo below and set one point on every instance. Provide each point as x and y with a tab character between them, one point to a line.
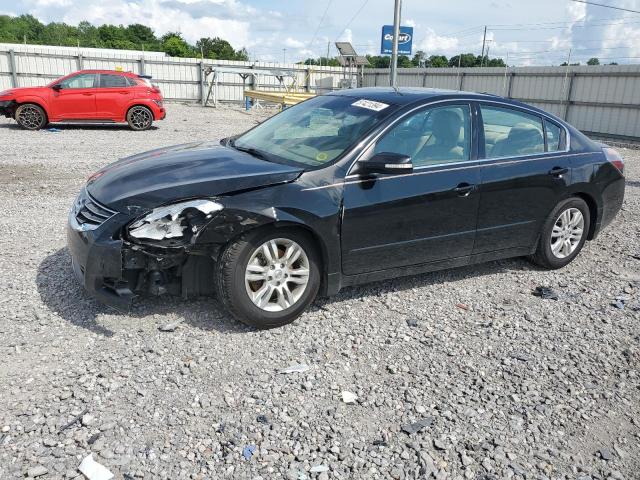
336	281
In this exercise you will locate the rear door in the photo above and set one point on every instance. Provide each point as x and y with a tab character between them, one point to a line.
525	174
392	221
113	96
76	97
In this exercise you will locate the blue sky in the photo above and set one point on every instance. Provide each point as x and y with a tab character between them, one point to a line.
530	33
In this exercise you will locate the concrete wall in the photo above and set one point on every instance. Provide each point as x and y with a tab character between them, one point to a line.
178	78
600	99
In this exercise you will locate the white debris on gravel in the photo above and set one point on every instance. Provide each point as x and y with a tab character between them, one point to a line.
510	386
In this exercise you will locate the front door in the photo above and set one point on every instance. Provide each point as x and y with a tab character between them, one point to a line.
425	216
524	176
76	98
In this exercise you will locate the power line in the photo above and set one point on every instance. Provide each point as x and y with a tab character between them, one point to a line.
606	6
320	24
364	4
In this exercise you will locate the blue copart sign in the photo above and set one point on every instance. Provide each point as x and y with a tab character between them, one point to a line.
405	40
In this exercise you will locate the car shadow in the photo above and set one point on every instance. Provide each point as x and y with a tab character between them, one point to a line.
61	293
60	127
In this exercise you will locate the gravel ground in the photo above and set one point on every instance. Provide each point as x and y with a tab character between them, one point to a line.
499	383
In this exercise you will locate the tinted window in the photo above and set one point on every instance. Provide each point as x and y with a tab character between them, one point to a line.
509	133
553	136
84	80
314	132
113	81
431	136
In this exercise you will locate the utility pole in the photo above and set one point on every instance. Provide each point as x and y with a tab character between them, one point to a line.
484	41
328	46
394	50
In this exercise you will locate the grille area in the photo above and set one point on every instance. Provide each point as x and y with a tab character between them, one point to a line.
89	213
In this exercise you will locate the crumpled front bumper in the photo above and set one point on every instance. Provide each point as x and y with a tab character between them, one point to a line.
96	259
6	108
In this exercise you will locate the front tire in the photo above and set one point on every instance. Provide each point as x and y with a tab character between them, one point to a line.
139	118
266	279
563	234
31	116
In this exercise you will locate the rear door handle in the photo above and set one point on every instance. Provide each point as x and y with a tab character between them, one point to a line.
558	171
87	94
464	189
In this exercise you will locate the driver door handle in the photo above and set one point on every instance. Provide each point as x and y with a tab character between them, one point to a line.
558	171
464	189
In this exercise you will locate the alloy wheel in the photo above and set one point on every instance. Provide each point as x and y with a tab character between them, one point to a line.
277	274
140	118
30	117
567	232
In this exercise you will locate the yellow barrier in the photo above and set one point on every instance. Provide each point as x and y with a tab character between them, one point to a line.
285	99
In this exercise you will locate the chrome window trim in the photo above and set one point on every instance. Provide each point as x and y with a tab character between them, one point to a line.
354	179
465	100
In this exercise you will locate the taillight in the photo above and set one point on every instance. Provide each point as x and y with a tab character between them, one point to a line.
614	158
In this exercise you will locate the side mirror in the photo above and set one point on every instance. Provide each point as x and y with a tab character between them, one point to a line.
57	87
387	162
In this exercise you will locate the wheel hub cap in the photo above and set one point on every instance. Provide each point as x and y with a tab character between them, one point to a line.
567	232
277	275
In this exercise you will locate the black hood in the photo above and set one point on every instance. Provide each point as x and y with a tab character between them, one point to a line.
203	169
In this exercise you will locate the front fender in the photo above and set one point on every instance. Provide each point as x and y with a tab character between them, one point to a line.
41	102
248	211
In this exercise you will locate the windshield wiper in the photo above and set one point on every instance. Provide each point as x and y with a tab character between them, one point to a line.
251	151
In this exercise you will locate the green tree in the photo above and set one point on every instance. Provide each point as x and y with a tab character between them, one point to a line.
174	45
593	61
438	61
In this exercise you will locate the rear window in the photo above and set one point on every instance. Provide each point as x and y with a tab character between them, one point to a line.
113	81
554	136
511	133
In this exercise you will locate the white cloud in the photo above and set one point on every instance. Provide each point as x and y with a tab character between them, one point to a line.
347	35
293	43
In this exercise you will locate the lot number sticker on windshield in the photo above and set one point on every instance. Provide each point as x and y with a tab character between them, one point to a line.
370	105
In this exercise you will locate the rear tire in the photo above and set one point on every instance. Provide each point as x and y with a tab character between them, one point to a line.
31	116
139	118
285	297
563	235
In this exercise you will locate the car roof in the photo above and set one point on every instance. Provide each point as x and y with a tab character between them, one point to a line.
403	96
409	95
111	72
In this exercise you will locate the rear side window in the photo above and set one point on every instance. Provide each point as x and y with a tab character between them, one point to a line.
431	136
113	81
510	133
554	136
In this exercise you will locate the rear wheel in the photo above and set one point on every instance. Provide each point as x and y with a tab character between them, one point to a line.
31	116
267	279
563	234
139	118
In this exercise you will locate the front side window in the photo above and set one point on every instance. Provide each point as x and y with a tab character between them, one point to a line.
431	136
510	133
315	132
84	80
113	81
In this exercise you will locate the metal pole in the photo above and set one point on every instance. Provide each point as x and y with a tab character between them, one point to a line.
484	41
12	68
394	49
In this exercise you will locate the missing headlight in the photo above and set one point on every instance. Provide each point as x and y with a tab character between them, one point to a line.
174	221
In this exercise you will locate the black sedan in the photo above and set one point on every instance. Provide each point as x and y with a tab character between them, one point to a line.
351	187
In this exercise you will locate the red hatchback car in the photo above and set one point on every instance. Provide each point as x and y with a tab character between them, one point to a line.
88	96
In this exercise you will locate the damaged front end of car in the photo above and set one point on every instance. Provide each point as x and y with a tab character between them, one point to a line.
170	249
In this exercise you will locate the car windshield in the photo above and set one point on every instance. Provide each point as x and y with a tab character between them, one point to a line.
315	132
